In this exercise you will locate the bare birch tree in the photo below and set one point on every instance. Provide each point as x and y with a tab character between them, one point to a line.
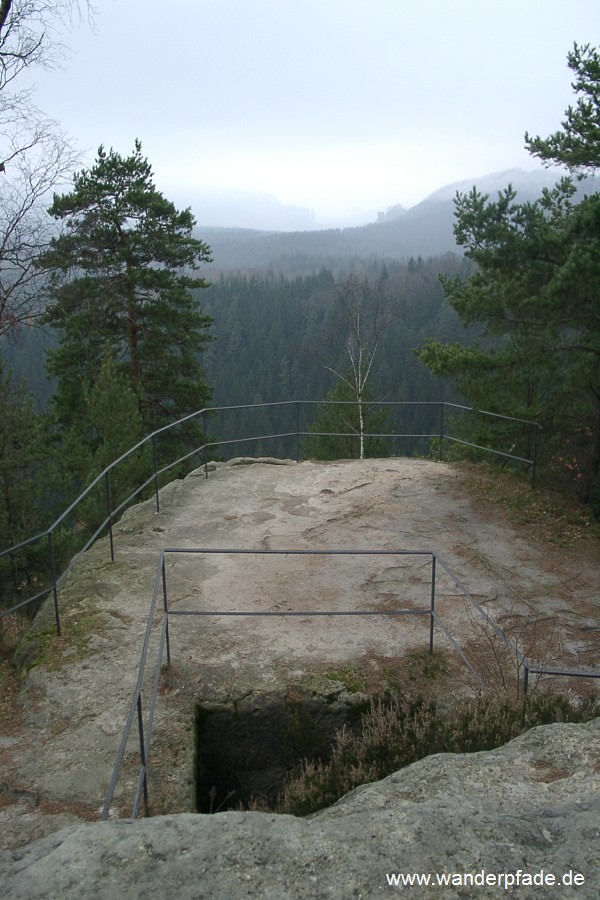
359	320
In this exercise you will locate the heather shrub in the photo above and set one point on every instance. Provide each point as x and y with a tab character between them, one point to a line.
402	730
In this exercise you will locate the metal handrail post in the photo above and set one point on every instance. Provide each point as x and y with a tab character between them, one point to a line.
54	585
166	611
534	466
204	428
297	431
155	473
441	453
432	614
109	510
142	746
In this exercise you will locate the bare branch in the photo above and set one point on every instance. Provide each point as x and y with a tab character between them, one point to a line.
35	156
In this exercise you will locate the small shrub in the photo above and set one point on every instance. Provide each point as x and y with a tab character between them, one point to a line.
401	731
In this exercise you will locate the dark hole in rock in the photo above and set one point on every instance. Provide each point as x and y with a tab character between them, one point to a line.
244	751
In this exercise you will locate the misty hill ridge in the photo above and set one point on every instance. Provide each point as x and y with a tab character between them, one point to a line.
529	184
423	230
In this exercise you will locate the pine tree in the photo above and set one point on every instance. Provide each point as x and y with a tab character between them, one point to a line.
535	294
121	274
576	145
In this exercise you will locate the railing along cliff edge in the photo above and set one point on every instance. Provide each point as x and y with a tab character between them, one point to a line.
48	537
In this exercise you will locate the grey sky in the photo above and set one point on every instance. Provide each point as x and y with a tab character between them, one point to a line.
336	105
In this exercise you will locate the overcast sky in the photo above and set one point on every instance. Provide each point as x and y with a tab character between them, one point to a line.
336	105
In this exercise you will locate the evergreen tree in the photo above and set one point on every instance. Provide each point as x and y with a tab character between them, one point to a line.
536	294
577	144
111	425
122	270
22	453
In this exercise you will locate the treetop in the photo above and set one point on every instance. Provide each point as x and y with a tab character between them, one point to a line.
577	145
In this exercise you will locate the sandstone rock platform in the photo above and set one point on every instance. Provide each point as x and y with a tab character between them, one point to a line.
57	757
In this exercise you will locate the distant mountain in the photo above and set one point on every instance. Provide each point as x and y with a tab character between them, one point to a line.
529	184
245	209
423	230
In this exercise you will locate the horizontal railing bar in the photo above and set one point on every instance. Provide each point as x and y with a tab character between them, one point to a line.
366	435
575	673
485	412
44	593
509	645
169	466
178	422
138	490
258	437
369	403
213	409
287	434
372	402
302	552
267	613
92	538
136	694
271	403
529	462
25	543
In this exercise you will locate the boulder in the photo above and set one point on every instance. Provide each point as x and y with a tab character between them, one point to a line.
523	815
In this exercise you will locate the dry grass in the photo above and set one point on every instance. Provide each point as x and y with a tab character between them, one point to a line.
9	688
552	517
437	674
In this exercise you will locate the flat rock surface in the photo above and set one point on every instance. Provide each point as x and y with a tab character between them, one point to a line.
57	757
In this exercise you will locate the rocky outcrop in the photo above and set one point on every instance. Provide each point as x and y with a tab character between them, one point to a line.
530	806
524	814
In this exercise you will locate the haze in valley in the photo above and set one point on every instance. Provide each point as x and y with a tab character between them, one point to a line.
301	116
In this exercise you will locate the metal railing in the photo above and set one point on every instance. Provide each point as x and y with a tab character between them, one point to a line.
431	610
293	413
136	709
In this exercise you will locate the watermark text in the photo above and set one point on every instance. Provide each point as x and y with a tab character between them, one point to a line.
483	878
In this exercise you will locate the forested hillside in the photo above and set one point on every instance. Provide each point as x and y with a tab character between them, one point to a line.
269	330
423	230
273	335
